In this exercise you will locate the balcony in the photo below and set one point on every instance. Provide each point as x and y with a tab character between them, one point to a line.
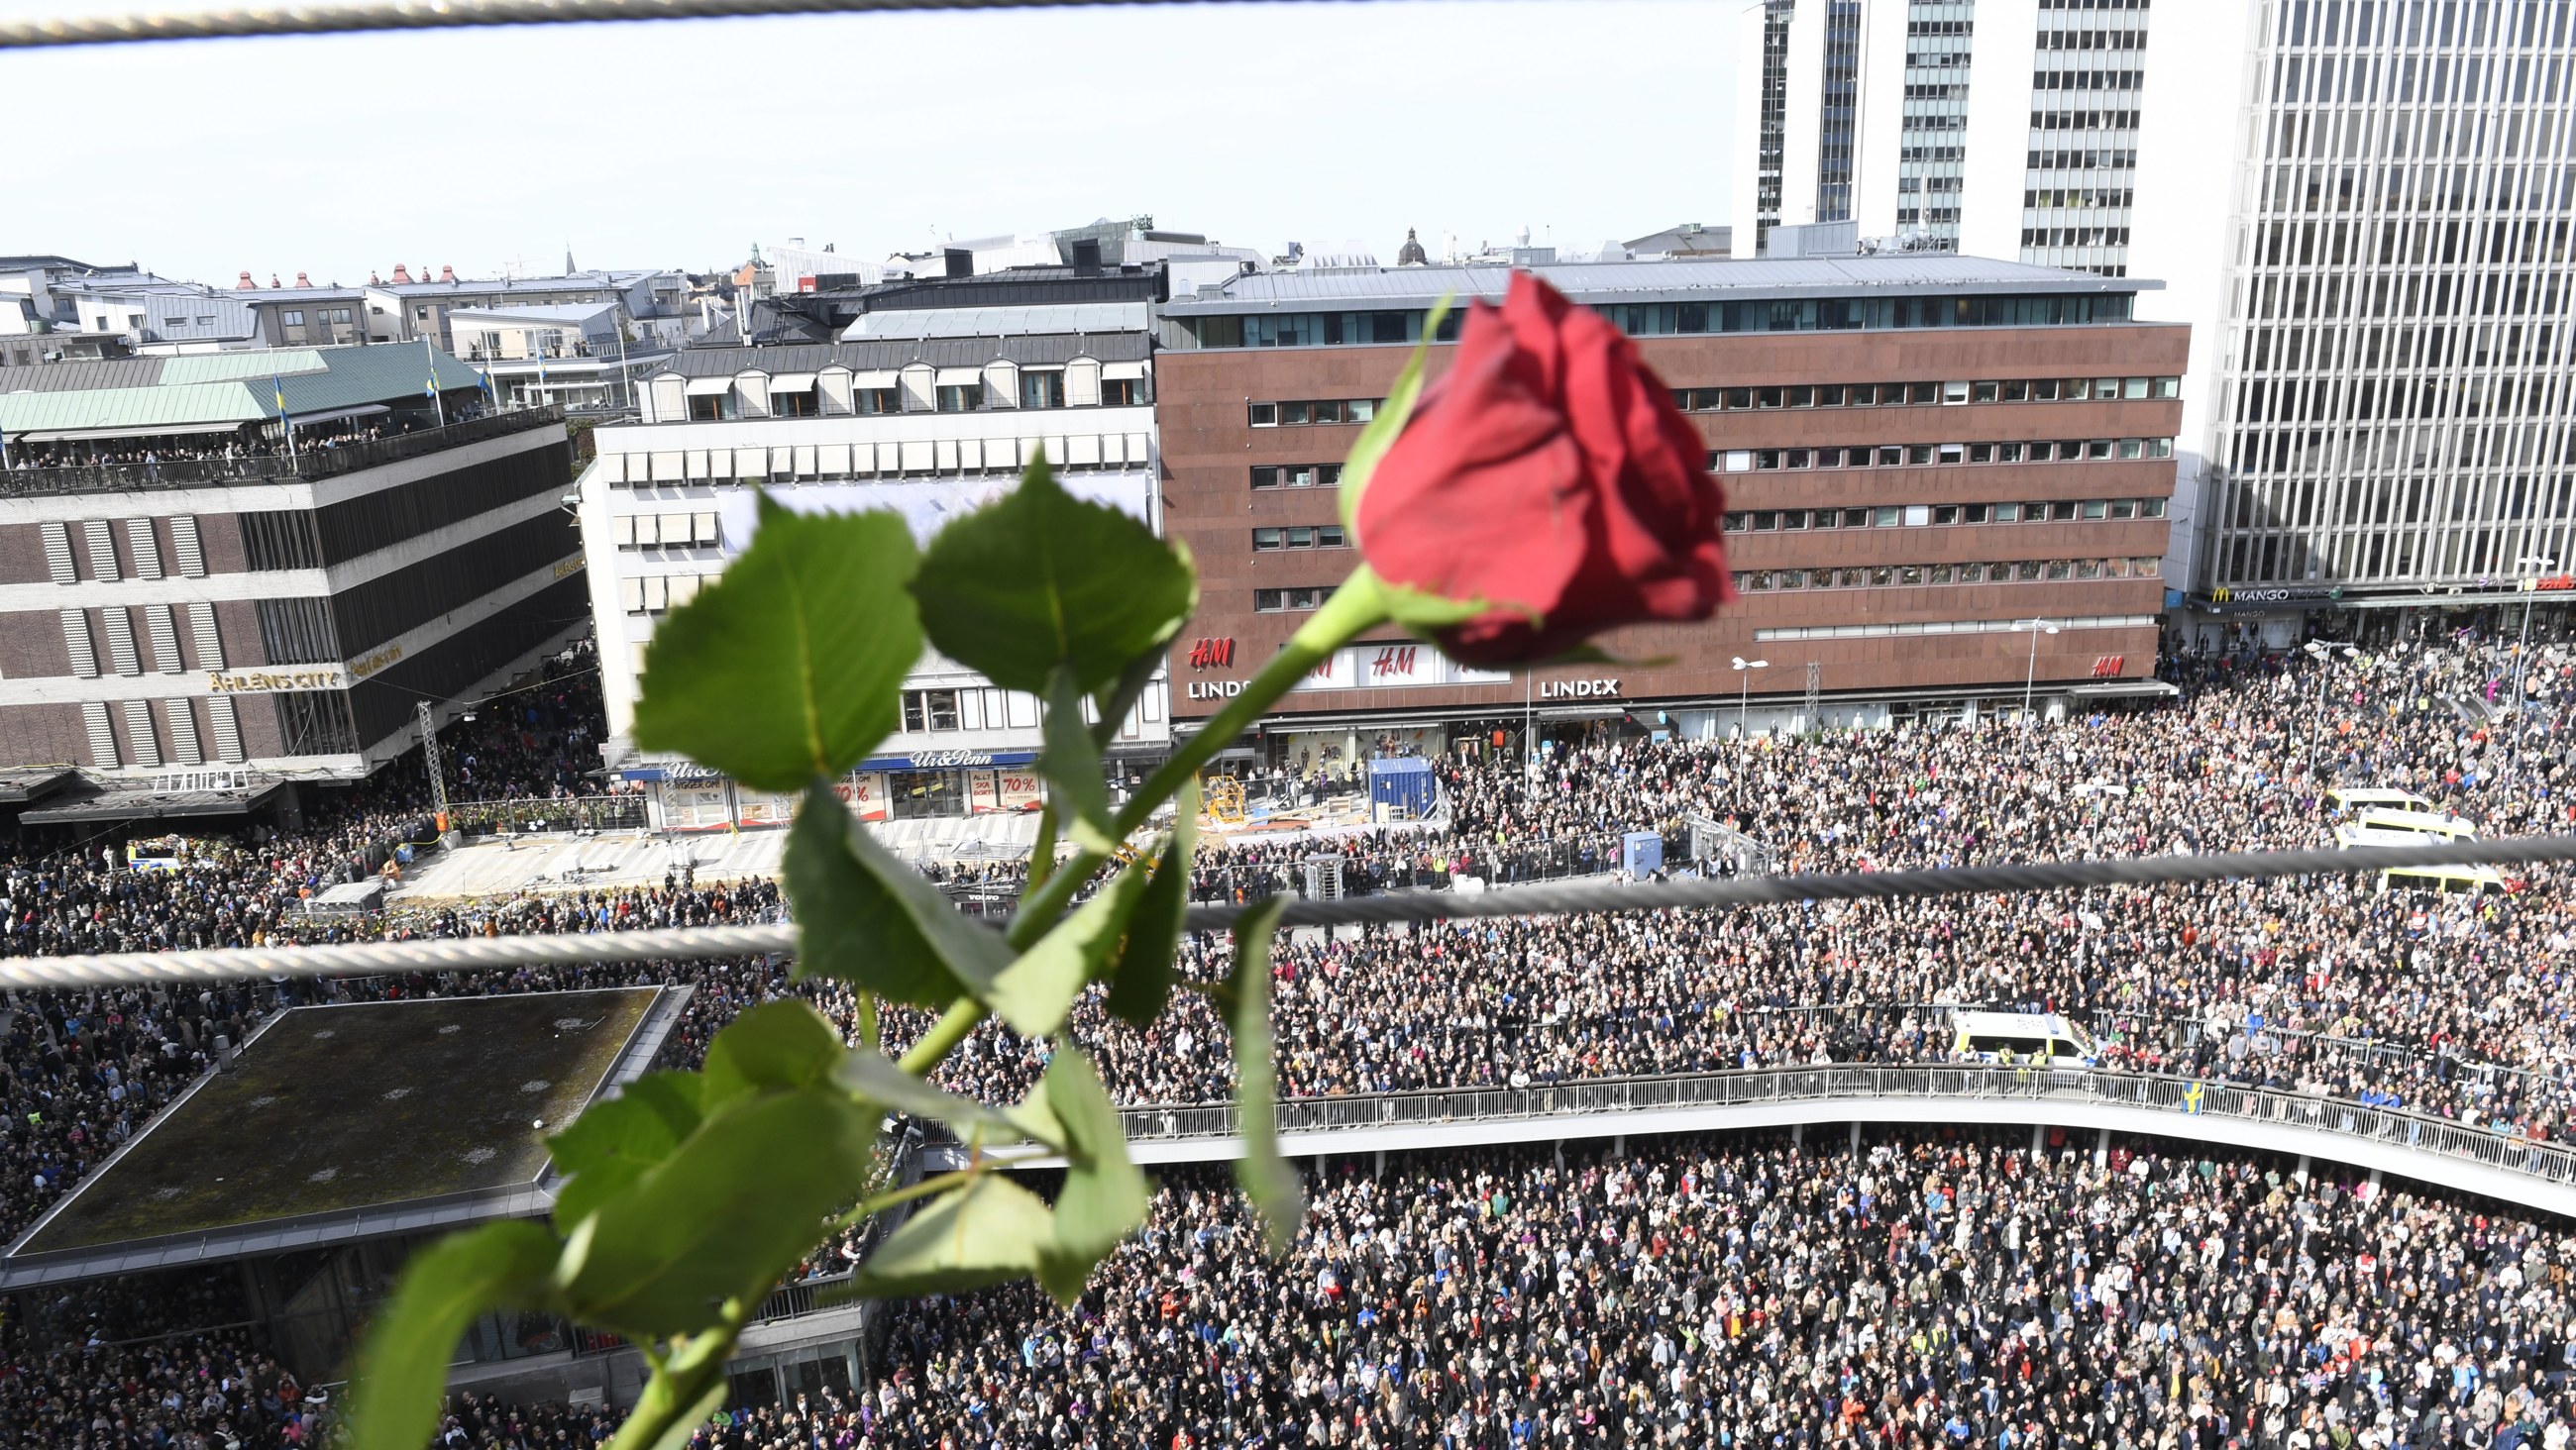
309	463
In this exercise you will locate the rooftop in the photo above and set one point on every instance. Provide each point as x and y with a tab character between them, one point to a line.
333	1111
1037	350
563	314
1658	280
568	283
999	321
144	396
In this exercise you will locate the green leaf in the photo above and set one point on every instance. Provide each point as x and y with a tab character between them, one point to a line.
873	1076
1389	421
1104	1194
725	1216
1071	765
788	665
990	1231
688	1422
779	1045
1120	697
865	917
1041	578
1034	993
402	1370
1266	1177
1141	980
605	1150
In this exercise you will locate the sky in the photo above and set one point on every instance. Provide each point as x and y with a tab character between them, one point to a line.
680	144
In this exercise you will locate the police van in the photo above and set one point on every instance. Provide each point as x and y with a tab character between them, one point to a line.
2020	1037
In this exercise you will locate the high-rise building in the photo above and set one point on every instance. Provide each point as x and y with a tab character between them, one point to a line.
2361	208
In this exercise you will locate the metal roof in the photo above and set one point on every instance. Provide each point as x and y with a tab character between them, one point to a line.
999	321
467	286
225	388
72	377
1042	350
1903	273
535	312
217	367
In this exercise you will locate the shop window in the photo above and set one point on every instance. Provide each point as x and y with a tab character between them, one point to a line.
930	710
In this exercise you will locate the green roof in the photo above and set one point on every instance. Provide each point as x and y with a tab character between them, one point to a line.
214	390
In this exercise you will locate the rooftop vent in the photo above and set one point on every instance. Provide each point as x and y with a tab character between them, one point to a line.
1086	255
961	262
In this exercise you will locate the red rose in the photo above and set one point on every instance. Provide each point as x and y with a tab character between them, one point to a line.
1549	474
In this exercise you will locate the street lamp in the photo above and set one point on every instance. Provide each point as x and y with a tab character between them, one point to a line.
2030	674
2323	652
1744	669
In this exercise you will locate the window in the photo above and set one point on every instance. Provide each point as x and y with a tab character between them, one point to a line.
1954	393
292	316
1265	415
2168	387
877	400
336	314
2151	508
205	322
1122	392
707	409
1297	475
2135	387
1327	410
2006	513
1276	601
930	710
1988	392
1299	536
1041	389
961	397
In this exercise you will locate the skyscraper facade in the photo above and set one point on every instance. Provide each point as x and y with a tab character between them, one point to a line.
2361	206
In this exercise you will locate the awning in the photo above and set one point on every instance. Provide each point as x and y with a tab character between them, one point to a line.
115	805
792	383
1122	370
960	377
875	380
336	414
164	430
705	387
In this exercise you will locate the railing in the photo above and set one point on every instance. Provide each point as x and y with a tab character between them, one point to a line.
331	462
1861	1082
310	463
581	813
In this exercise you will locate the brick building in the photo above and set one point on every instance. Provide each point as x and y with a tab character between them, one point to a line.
1919	453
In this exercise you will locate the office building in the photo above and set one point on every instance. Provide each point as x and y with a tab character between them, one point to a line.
1918	452
184	583
926	396
2362	209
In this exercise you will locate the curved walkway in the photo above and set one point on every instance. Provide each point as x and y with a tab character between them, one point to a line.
2433	1150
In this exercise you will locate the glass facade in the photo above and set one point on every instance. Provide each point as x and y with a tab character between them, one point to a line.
2087	77
1653	319
2396	361
1931	164
1768	160
1838	111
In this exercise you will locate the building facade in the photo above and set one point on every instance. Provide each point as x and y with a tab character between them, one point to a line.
1918	453
932	400
2362	209
181	587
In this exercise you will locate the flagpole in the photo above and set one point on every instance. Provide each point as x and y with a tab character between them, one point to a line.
429	354
285	424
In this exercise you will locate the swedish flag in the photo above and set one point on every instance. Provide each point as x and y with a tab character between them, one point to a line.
277	386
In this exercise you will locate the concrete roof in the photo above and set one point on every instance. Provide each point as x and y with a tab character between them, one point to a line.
1368	289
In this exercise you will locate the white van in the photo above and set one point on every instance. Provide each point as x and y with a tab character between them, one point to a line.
2029	1037
2426	827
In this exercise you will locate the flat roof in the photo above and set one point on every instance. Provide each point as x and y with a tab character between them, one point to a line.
141	396
149	804
350	1121
1893	275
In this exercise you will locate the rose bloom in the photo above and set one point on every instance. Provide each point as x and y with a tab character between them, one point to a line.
1549	474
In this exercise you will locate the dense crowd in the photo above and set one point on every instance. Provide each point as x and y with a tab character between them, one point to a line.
1927	1290
2448	1005
229	447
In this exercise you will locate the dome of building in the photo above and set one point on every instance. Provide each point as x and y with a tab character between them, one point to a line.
1412	255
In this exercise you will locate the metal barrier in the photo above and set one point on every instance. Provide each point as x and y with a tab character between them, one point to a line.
310	463
1861	1081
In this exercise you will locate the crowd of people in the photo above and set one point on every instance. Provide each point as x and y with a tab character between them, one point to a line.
2446	1005
253	442
1926	1289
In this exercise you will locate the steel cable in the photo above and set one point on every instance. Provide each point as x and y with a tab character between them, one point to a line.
252	20
473	954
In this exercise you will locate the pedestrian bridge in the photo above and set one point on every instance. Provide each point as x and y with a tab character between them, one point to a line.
2411	1145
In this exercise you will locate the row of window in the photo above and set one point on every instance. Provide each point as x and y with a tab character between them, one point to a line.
2083	160
294	316
1299	536
663	531
2090	40
976	709
1897	395
2087	80
1888	576
1297	475
1038	390
2080	198
659	593
1276	601
1314	410
2083	120
2075	236
1945	626
2070	450
1889	516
